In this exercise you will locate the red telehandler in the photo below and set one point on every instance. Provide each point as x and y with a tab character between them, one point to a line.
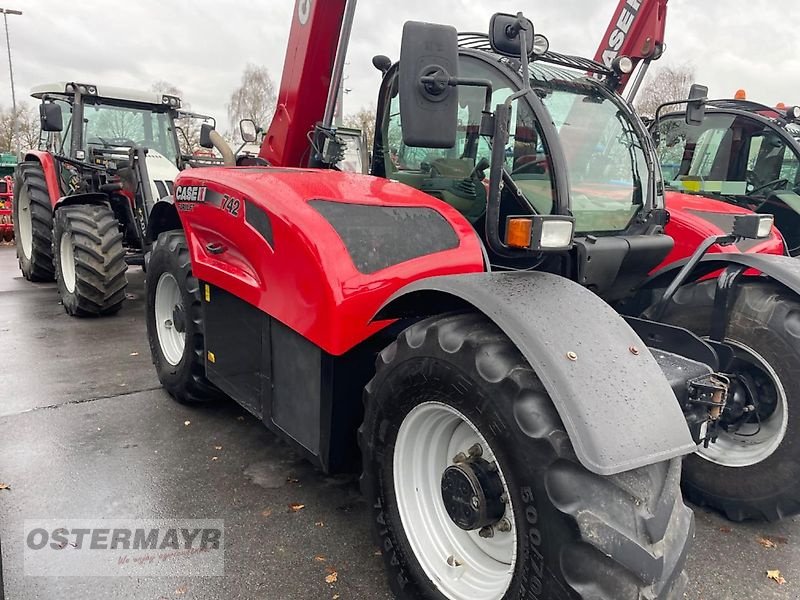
742	157
453	321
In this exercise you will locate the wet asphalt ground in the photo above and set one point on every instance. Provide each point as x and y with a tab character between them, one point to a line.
86	432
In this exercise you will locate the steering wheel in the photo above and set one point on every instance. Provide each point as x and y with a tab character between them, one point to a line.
533	167
781	182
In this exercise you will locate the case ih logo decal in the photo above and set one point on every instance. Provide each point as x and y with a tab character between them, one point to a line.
621	31
190	193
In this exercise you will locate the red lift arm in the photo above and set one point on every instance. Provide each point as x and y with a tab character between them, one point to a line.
306	83
635	31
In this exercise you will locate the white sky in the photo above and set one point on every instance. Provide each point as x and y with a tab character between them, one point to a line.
202	46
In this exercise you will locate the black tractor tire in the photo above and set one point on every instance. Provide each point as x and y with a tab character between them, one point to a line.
579	535
32	204
185	381
764	317
92	281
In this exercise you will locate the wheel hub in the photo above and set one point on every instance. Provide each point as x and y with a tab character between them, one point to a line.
472	492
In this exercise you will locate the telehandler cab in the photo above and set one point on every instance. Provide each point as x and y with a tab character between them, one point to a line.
86	199
455	313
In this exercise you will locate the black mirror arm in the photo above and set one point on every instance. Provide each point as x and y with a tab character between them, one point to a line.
661	107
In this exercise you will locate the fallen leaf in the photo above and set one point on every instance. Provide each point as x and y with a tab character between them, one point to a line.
319	524
778	539
295	507
4	486
776	577
767	543
332	576
187	423
181	590
267	512
724	529
217	447
292	480
319	558
377	553
335	596
215	458
134	354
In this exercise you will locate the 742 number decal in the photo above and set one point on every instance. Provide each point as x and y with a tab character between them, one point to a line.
231	204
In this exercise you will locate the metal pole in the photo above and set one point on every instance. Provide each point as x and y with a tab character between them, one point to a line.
338	64
6	12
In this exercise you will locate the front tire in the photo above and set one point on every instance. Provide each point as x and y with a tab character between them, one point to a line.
90	260
753	473
175	321
449	383
33	223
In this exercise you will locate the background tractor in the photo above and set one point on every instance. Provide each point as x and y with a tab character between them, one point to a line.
7	164
460	314
84	200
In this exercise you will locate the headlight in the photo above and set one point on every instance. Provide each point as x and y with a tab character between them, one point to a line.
622	65
540	233
540	45
753	227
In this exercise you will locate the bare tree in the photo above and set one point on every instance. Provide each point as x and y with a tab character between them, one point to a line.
25	127
364	120
254	99
666	84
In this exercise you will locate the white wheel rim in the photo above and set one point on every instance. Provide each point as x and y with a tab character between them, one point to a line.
67	261
752	445
25	222
463	565
168	298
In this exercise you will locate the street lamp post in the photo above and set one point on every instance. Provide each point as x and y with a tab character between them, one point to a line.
6	12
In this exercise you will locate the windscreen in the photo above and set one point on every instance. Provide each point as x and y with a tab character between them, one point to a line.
608	172
110	125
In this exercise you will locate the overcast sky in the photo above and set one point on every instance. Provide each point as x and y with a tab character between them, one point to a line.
202	46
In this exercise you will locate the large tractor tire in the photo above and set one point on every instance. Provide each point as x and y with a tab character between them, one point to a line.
477	492
753	472
90	260
175	321
33	223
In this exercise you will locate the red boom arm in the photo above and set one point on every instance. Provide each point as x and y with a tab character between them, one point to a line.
635	31
306	79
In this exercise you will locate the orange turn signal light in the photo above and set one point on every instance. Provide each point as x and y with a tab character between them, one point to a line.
518	232
740	95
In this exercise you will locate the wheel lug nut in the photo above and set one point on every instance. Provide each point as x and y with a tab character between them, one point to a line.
475	502
460	458
504	526
475	451
486	532
168	323
504	498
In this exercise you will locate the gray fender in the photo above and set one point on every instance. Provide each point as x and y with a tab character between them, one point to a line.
163	217
615	403
74	199
783	269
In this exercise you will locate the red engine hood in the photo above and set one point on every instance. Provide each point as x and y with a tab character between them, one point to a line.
696	218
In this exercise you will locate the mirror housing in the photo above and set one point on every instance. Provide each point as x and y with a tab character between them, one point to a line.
504	35
696	106
50	117
428	76
249	131
205	135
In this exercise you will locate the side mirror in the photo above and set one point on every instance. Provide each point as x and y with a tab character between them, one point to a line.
249	131
205	135
696	107
428	76
50	116
504	35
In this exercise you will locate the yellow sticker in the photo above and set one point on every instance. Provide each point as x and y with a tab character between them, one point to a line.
211	357
208	293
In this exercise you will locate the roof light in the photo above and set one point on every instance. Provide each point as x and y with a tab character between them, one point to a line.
740	95
793	113
540	233
172	101
622	65
540	45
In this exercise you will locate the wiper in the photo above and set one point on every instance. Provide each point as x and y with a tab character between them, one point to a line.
638	188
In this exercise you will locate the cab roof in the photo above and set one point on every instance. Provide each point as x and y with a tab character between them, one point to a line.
62	88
